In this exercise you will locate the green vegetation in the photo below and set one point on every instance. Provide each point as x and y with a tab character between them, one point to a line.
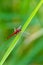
23	49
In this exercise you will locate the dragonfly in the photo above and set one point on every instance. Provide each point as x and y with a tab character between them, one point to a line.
16	31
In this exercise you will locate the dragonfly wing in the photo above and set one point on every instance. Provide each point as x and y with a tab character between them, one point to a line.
25	34
19	27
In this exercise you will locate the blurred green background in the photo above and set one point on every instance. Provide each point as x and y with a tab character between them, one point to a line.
29	50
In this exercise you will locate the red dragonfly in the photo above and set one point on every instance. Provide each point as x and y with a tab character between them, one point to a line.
17	31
